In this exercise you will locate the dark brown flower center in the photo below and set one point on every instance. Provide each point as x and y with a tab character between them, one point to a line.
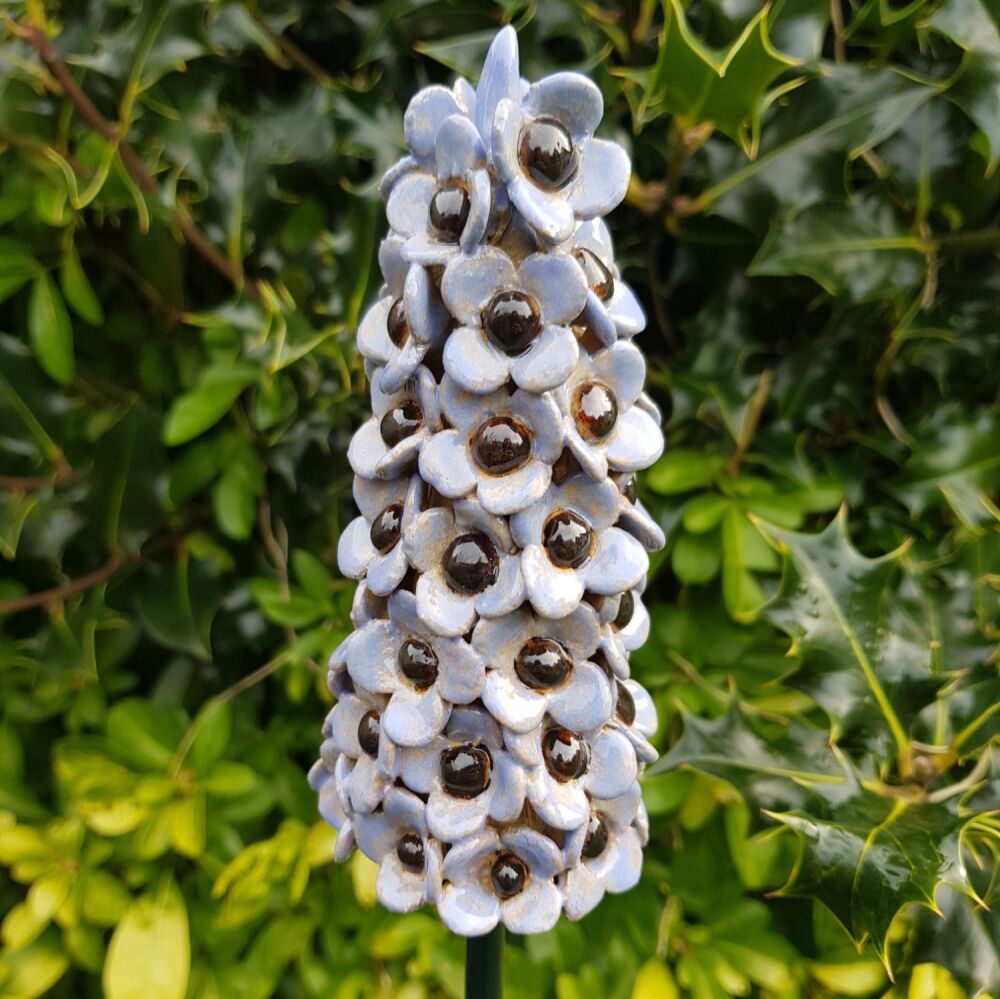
449	211
595	410
625	705
508	875
386	528
548	155
396	325
599	278
512	321
596	840
502	444
410	850
630	489
368	730
471	563
626	608
465	770
565	754
418	662
542	663
568	539
401	422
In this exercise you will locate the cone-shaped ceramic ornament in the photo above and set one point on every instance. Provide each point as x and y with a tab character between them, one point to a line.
487	740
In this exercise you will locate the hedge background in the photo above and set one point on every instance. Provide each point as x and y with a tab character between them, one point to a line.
188	225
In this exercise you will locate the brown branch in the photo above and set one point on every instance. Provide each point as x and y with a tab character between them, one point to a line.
292	52
230	269
59	593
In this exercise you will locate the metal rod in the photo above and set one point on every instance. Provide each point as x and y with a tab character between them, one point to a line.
484	965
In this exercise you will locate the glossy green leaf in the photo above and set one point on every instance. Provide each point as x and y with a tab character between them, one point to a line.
51	330
217	389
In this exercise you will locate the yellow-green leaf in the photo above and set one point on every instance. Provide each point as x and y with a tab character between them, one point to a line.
655	981
51	330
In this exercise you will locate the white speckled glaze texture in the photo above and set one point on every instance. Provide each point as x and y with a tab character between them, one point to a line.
439	666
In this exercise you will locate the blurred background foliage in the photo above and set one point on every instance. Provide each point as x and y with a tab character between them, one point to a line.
188	225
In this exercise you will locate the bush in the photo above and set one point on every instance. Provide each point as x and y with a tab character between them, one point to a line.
189	224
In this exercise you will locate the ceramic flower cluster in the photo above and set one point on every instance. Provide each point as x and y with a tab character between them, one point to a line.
486	740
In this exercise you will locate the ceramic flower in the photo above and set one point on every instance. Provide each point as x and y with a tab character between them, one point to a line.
540	666
466	567
467	775
407	320
363	757
544	150
504	877
603	855
500	446
409	858
513	320
420	672
323	781
389	443
370	546
634	517
635	717
624	628
612	310
570	546
567	769
604	428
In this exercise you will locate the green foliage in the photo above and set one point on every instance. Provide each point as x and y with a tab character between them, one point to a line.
188	227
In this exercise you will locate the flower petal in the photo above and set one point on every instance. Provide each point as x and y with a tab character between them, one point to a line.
426	113
558	285
419	767
534	910
462	673
602	180
513	704
553	592
618	563
595	317
468	909
636	443
441	608
591	457
366	449
613	765
538	851
506	494
480	205
585	701
507	789
549	361
390	260
371	658
452	819
571	99
563	806
414	717
625	311
470	282
397	888
507	593
426	315
626	869
582	891
473	362
373	334
500	80
386	572
399	458
623	366
408	204
548	214
428	536
458	149
355	550
445	464
402	365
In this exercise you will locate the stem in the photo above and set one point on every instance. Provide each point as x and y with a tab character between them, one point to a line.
484	965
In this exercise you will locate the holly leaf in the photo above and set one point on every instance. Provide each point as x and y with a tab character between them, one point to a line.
859	250
699	85
836	605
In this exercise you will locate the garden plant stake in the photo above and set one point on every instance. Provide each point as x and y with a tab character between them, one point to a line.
487	739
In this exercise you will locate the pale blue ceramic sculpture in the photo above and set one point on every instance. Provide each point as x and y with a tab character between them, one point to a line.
487	741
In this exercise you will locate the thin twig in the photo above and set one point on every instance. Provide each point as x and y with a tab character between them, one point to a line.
754	410
292	52
229	268
58	594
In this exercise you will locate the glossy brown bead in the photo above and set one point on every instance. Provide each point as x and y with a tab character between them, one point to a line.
410	850
465	770
418	662
400	422
547	154
508	875
625	705
471	564
567	539
599	278
512	321
449	212
626	609
542	664
386	528
596	840
630	489
396	325
595	410
565	754
368	732
502	444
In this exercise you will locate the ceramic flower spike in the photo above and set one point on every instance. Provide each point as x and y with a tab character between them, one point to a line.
487	739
